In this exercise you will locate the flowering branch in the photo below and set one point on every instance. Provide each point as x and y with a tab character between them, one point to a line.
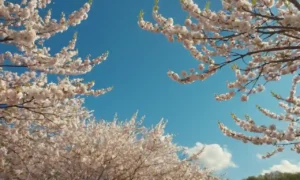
272	136
260	40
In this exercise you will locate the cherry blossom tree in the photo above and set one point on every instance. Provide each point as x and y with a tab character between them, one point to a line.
100	150
258	38
29	104
47	133
28	98
272	135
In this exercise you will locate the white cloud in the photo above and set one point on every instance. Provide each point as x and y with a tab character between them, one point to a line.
213	157
285	167
259	156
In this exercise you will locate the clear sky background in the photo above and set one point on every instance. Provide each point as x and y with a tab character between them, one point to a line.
137	67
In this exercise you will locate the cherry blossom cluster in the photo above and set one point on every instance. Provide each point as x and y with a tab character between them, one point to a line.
33	99
87	149
259	39
271	135
65	62
23	27
29	96
26	16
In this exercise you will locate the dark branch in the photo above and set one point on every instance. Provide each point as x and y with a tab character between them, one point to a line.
7	65
295	3
6	39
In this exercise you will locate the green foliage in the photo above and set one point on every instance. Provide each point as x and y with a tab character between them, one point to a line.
247	117
253	2
155	8
286	3
75	35
234	67
275	95
141	15
276	176
207	5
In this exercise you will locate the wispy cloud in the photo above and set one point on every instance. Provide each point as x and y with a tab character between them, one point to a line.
259	156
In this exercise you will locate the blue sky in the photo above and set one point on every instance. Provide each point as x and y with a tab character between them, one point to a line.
137	67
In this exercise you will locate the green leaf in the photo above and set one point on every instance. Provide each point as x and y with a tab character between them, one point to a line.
75	35
233	115
253	2
247	117
49	11
273	94
287	3
207	5
234	67
156	7
141	14
90	2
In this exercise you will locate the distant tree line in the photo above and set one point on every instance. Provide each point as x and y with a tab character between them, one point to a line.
276	176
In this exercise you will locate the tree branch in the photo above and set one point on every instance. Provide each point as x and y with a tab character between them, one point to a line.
295	3
6	39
